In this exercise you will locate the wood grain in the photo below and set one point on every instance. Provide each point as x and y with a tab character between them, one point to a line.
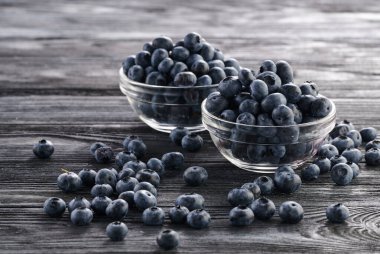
58	80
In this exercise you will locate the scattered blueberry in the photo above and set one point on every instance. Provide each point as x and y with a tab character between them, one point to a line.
353	154
192	142
123	157
291	212
263	208
372	157
240	196
356	137
148	175
178	214
87	176
156	165
286	180
254	188
153	216
43	149
195	176
372	144
54	207
126	172
137	147
323	163
191	201
135	165
78	202
368	134
117	209
103	154
146	186
117	231
69	182
95	146
355	168
128	197
337	159
99	204
173	160
81	216
126	184
177	134
198	219
328	151
337	213
102	190
144	199
310	173
241	216
107	176
342	174
168	239
266	184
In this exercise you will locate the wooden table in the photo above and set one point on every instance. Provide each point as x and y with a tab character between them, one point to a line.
58	80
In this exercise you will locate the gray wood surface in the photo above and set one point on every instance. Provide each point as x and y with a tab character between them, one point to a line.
58	80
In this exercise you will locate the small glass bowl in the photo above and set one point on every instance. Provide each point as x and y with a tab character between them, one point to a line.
166	107
262	149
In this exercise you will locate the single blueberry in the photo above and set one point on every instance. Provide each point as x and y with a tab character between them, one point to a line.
156	165
78	202
144	199
43	149
372	157
102	190
232	62
123	157
195	176
128	63
321	107
283	115
148	47
216	63
271	79
178	214
356	137
180	53
368	134
204	80
284	71
287	181
148	175
218	55
168	239
177	134
95	146
99	204
337	159
297	113
106	175
163	42
309	88
240	196
290	212
153	216
129	139
355	168
200	67
81	216
192	142
136	73
228	115
266	184
166	65
185	79
207	51
217	74
341	174
292	92
230	87
146	186
328	151
87	176
337	213
268	65
241	216
103	154
134	165
342	143
69	182
126	184
340	129
198	219
250	106
173	160
143	59
54	207
310	173
137	147
117	209
263	208
158	55
191	201
254	188
272	101
230	72
304	104
128	197
372	144
323	163
178	68
353	155
193	42
246	76
117	231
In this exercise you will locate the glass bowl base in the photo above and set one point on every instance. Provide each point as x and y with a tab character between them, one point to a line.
167	128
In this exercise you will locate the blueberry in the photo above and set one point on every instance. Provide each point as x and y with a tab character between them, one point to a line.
304	104
323	163
195	176
245	118
198	219
266	184
353	155
230	87
126	184
134	165
69	182
292	92
372	144
43	149
166	65
238	99
337	159
272	101
207	51
284	71
123	157
250	106
192	59
177	68
78	202
177	134
283	169
328	151
191	201
271	79
144	199
321	107
178	214
185	79
128	139
102	190
163	42
153	216
218	55
200	67
99	204
148	47
146	186
266	120
241	216
228	115
287	182
117	209
268	65
216	103
204	80
372	157
263	208
143	59
246	76
341	174
256	153
290	212
283	115
54	207
157	56
180	53
232	62
277	151
356	137
103	154
288	134
216	63
310	173
95	146
148	175
156	165
168	239
355	168
230	72
128	63
106	175
148	70
342	143
368	134
193	42
240	196
192	142
136	73
87	176
341	129
309	88
254	188
137	147
297	113
81	216
128	197
217	74
337	213
173	160
117	231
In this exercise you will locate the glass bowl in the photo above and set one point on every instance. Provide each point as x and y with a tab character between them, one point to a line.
262	149
165	107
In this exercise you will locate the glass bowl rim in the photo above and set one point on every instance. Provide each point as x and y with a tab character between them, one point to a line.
124	79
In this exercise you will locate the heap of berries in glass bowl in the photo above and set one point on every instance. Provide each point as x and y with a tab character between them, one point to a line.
166	82
261	122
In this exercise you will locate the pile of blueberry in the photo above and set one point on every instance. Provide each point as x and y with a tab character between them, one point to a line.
135	186
269	99
189	62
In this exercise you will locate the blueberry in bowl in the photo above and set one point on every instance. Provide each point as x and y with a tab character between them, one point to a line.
288	125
